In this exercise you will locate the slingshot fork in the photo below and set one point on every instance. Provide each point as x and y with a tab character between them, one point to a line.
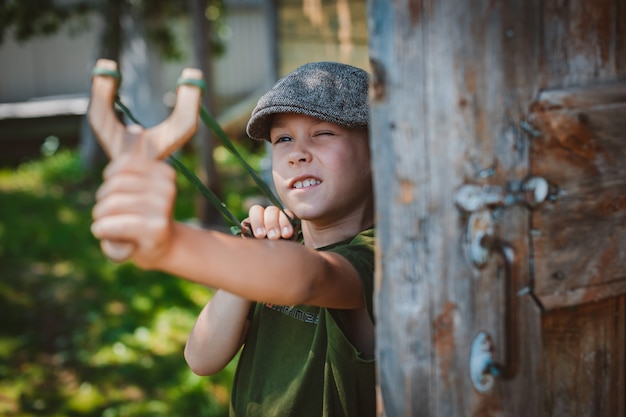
157	142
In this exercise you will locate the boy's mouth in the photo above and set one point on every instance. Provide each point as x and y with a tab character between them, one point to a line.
307	182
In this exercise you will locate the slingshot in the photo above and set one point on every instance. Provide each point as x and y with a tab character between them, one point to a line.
157	142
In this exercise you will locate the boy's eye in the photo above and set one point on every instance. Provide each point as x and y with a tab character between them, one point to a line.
280	139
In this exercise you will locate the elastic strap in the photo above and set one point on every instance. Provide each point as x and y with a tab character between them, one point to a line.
107	73
192	81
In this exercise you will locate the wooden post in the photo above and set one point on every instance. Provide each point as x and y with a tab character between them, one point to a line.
453	88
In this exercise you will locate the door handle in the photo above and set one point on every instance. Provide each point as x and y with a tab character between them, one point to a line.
479	202
483	366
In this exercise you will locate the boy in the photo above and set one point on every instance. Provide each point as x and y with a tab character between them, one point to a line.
302	312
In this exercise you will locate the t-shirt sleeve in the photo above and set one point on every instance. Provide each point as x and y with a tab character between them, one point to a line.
360	253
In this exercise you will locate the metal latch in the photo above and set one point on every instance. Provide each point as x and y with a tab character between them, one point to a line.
530	192
480	201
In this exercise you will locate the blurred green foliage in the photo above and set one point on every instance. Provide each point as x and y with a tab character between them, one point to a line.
27	19
80	335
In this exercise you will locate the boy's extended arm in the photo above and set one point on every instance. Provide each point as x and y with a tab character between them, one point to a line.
278	272
217	334
135	205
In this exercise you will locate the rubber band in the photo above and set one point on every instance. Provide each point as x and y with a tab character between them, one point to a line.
107	73
192	81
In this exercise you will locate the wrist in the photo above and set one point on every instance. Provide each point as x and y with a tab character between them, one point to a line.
159	256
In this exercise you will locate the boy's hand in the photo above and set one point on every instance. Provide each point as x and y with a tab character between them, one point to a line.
134	205
269	222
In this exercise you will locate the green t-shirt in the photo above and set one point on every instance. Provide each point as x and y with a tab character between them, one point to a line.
298	362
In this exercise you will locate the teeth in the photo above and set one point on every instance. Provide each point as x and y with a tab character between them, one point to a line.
306	183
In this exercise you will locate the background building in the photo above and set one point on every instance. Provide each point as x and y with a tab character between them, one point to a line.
45	81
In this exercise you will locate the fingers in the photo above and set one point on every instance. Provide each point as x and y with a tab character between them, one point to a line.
269	222
256	219
284	222
117	251
136	186
134	206
134	228
154	199
132	174
127	235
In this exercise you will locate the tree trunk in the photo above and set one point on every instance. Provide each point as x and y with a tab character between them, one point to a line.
205	140
91	153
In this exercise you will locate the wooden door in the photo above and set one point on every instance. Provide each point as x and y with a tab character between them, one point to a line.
499	141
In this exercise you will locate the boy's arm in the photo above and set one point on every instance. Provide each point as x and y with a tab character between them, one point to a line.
135	205
279	272
218	333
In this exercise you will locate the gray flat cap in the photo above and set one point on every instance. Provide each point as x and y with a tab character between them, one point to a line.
329	91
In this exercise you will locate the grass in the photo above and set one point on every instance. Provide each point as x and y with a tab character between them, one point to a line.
80	335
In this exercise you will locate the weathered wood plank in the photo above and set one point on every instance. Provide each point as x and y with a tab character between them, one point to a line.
584	360
404	331
580	239
582	41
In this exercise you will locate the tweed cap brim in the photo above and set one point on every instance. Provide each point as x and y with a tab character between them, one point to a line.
328	91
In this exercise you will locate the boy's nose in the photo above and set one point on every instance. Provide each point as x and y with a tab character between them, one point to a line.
298	155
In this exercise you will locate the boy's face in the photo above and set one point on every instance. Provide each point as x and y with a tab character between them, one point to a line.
321	170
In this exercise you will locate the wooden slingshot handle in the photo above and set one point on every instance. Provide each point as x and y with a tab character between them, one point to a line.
156	142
